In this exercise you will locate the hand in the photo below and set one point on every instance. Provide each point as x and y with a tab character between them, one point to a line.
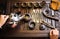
54	33
3	19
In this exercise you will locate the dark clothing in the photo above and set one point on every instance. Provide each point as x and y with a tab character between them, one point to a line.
6	28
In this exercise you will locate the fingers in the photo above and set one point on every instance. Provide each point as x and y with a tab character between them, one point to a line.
6	17
54	32
3	16
3	19
51	32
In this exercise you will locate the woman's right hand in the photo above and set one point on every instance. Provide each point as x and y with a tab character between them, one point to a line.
54	33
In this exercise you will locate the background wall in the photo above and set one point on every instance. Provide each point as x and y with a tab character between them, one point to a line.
3	6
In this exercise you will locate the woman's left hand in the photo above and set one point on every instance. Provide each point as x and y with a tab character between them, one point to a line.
3	19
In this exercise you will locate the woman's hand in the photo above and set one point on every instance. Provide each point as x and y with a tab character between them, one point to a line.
54	33
3	19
